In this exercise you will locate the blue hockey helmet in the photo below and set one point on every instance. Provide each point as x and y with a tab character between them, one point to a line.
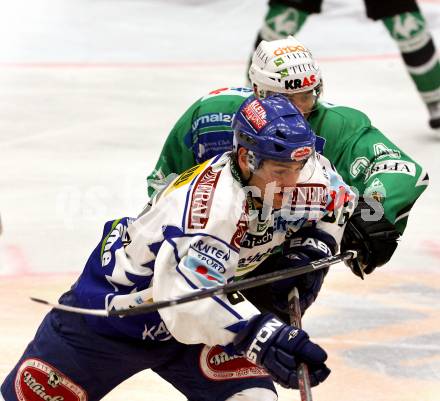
273	128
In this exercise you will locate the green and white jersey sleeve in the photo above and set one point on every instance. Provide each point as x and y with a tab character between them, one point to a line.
364	157
369	161
201	133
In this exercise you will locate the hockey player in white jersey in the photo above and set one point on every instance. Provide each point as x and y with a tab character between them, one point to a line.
213	224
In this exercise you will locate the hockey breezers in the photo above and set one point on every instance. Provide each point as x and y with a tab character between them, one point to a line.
146	306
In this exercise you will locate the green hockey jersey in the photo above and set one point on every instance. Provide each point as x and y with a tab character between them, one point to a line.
365	158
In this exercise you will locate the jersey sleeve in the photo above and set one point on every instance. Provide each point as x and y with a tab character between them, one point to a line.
189	263
200	249
373	164
203	131
340	205
177	154
379	169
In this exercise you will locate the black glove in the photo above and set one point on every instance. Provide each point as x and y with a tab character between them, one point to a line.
375	241
306	245
303	247
278	347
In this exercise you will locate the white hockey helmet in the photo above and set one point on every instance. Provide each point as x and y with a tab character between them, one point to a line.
284	66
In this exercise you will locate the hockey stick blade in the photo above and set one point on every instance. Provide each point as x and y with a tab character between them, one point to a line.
73	309
209	292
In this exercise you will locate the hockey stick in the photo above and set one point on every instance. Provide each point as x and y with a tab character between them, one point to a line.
302	371
137	309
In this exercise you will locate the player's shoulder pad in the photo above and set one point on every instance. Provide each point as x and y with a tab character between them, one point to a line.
345	115
216	108
240	92
213	198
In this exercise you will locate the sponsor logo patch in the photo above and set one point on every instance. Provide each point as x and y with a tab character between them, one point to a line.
217	365
210	255
212	119
284	73
212	144
201	198
301	153
278	61
289	49
251	240
256	114
250	262
300	83
305	195
36	380
293	334
376	190
391	166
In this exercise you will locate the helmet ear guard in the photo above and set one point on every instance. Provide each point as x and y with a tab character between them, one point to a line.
254	161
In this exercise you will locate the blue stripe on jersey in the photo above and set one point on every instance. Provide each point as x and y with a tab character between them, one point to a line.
215	159
320	144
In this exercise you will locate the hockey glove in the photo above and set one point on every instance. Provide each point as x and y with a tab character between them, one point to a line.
375	241
303	247
268	342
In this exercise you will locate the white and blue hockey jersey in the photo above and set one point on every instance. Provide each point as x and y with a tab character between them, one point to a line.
201	230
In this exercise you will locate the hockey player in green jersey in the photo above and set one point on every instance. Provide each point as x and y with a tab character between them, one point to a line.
366	159
403	20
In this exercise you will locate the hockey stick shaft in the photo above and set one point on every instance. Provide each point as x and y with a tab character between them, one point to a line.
210	292
305	390
236	286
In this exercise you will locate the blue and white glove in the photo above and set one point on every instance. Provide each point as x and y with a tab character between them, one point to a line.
277	347
305	246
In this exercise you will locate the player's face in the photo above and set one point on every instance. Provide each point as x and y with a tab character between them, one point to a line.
274	178
304	101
